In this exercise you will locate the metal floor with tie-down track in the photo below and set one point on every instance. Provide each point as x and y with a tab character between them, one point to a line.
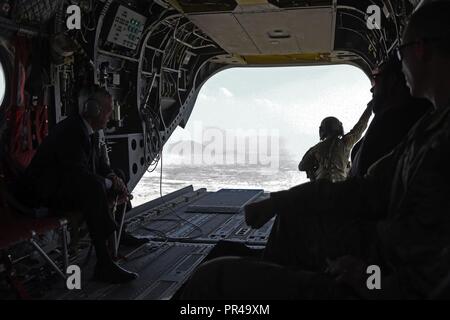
183	227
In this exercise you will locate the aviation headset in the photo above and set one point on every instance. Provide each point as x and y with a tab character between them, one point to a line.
88	101
330	126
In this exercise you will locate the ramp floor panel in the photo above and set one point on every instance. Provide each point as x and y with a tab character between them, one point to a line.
179	241
224	201
176	223
162	269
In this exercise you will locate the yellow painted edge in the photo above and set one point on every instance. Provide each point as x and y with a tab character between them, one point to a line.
289	58
250	2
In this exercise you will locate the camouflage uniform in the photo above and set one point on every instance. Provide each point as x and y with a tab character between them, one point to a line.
402	225
329	158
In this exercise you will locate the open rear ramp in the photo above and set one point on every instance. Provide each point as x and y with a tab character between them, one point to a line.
179	241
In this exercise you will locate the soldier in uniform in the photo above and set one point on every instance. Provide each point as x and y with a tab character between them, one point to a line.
402	227
329	159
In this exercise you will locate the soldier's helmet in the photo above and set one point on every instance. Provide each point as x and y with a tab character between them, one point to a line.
330	127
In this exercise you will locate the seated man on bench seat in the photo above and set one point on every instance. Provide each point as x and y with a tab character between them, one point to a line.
68	173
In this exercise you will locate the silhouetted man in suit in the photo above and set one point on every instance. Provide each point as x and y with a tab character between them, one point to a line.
396	112
68	173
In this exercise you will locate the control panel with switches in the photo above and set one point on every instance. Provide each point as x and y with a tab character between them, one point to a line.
127	28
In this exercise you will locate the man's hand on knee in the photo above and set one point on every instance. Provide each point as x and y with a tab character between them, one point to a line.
259	213
119	189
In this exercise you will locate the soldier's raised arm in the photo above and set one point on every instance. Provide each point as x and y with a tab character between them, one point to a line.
355	134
